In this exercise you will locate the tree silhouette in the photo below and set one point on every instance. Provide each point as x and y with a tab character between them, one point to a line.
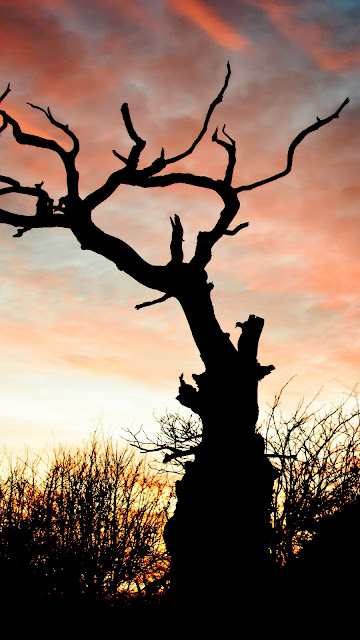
83	526
225	395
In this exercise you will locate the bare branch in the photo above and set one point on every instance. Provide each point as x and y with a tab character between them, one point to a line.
7	90
16	187
25	222
104	192
314	127
233	232
129	125
127	175
63	127
215	102
177	239
68	157
156	166
31	139
231	150
157	301
44	216
143	178
117	155
207	239
10	181
179	437
229	137
139	145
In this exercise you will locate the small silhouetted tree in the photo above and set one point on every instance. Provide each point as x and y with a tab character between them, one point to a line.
83	526
225	395
317	456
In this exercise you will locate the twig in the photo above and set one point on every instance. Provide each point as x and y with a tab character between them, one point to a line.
319	123
214	103
151	302
7	90
231	150
233	232
60	125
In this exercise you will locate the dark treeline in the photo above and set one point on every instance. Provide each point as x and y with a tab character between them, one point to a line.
85	525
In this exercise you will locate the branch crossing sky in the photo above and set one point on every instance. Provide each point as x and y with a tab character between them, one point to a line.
74	351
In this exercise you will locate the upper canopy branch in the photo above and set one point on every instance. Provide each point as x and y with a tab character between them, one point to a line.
75	213
131	175
231	150
134	155
64	127
319	123
214	103
233	232
3	95
67	157
31	139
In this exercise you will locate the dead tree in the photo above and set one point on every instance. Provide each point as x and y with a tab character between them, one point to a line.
225	395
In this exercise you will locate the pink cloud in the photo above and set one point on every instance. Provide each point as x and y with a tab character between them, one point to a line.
314	39
204	17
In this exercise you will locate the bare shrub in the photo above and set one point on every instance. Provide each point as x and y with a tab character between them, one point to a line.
315	452
84	524
317	455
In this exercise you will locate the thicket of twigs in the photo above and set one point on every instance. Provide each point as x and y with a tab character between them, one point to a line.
315	451
84	525
317	455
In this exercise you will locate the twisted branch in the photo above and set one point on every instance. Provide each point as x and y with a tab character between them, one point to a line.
214	103
7	90
64	127
314	127
152	302
67	157
231	150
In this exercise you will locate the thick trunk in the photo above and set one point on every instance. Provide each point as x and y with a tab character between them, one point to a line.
217	536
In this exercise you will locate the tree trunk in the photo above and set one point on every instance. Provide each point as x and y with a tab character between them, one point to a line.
217	537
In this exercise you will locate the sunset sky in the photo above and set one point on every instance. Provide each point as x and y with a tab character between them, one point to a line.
74	351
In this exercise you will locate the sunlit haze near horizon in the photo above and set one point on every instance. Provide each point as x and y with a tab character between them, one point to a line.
74	351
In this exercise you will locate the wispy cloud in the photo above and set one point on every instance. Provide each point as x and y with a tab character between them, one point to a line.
316	40
205	18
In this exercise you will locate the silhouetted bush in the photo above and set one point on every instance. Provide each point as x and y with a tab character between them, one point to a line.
83	526
315	452
317	455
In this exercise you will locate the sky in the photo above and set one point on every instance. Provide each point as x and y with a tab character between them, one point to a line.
75	354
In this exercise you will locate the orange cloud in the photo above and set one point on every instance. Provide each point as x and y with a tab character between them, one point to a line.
315	40
200	14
